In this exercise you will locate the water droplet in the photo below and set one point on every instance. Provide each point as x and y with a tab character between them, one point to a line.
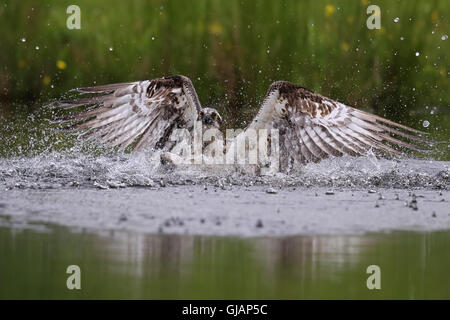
23	39
111	48
426	123
153	38
417	54
396	20
444	37
401	38
37	47
268	51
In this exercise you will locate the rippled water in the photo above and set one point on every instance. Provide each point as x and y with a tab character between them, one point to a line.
123	265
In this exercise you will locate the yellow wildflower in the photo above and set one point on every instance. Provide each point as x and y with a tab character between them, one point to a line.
345	46
329	10
46	80
60	64
435	16
215	28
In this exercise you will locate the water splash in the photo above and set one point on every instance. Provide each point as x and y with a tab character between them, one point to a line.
36	155
62	170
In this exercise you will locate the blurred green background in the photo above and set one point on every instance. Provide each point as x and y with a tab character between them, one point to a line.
233	50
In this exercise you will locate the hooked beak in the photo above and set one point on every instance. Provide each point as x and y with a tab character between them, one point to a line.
207	119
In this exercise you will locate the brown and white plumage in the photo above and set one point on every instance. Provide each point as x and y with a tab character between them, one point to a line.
313	127
144	113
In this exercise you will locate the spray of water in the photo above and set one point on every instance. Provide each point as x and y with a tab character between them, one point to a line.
36	154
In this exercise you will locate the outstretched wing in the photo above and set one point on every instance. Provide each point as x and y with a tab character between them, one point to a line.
145	112
313	127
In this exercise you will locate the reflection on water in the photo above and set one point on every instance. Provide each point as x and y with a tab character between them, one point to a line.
132	265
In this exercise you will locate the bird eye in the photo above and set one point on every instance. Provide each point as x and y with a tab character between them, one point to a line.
200	115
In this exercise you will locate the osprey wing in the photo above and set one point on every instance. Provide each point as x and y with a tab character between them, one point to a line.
313	127
142	112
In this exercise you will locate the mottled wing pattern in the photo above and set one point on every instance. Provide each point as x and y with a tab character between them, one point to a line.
313	127
145	112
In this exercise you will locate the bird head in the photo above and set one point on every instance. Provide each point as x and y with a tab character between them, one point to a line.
210	118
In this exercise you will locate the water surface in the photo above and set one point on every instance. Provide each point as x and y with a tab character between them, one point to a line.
138	230
128	265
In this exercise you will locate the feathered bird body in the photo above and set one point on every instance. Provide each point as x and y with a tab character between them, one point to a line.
310	126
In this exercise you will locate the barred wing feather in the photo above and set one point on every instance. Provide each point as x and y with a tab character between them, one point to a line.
313	127
144	112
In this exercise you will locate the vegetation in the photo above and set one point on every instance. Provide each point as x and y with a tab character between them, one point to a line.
233	50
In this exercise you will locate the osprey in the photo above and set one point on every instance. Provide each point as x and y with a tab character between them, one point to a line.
311	127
